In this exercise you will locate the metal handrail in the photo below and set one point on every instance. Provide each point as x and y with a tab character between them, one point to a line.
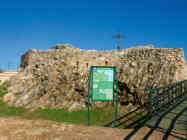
159	97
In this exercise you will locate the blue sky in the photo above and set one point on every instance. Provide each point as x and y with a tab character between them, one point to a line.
89	24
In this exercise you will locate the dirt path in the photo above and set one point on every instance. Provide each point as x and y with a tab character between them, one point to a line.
19	129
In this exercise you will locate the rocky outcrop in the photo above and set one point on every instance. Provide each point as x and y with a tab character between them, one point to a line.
57	78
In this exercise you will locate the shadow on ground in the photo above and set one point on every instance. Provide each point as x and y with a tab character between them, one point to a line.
171	120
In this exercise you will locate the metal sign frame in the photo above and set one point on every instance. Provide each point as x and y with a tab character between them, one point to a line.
90	91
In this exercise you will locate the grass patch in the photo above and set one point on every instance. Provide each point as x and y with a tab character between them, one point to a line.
6	110
98	116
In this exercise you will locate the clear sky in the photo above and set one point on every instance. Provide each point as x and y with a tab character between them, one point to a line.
89	24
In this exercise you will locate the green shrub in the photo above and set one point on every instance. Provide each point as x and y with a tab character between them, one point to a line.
3	91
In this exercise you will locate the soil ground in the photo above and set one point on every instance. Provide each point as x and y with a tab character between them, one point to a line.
15	128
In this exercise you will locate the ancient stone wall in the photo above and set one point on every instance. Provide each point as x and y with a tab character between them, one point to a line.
57	78
149	68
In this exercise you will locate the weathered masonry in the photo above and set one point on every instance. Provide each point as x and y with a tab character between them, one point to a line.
57	78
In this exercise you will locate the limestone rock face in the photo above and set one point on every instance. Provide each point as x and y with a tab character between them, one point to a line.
57	78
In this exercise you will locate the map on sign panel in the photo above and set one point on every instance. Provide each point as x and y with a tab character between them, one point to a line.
102	83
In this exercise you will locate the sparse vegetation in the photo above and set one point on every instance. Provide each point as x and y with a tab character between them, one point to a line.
6	110
3	91
98	116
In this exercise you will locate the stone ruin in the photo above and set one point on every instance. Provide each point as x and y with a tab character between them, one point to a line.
57	78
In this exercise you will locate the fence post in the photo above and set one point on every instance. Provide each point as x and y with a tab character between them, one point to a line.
150	109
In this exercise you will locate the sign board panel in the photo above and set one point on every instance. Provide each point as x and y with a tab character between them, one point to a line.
102	83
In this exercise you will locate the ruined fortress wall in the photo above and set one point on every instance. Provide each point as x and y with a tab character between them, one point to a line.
149	68
57	78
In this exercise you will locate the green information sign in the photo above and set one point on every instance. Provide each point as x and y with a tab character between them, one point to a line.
102	83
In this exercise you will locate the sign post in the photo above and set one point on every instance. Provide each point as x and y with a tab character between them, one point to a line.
103	86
